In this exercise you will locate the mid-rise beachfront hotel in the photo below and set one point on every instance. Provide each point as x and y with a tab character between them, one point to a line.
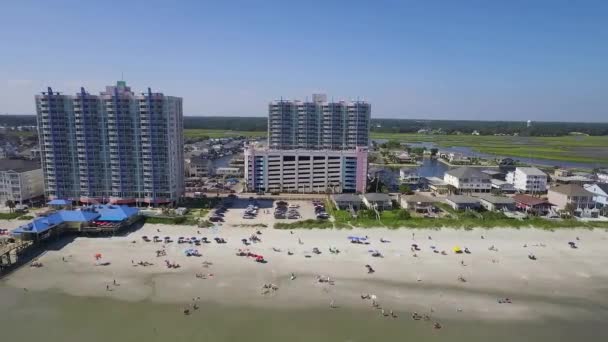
313	147
115	147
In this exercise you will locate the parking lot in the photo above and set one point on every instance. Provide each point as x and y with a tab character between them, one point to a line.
256	212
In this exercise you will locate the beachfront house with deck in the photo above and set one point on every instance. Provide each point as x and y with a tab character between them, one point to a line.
600	193
419	203
573	195
377	200
437	185
531	204
496	203
565	176
502	187
461	202
528	179
347	201
468	179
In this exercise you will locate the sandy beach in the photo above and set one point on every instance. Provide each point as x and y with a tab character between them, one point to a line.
562	281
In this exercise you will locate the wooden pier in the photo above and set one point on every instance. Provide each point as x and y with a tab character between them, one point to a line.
10	252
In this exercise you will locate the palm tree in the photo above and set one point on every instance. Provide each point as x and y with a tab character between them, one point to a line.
405	189
10	204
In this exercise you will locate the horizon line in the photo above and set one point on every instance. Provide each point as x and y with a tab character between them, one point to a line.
373	118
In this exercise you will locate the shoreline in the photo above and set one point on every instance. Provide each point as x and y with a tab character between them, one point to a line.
562	282
564	309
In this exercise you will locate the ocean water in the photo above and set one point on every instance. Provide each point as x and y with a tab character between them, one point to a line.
49	317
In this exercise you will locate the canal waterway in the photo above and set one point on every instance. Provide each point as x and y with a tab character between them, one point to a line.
469	152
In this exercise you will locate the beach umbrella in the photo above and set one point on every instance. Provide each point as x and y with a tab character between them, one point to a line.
457	249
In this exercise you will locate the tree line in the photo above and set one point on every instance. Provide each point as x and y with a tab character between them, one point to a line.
383	125
540	128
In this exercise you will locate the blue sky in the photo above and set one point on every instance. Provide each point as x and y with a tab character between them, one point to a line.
513	60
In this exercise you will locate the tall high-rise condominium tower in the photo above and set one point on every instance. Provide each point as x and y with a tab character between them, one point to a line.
318	124
115	146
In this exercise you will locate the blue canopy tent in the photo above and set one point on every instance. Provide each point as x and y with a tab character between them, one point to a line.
357	238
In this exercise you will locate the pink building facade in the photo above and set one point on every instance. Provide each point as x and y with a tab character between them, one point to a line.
306	171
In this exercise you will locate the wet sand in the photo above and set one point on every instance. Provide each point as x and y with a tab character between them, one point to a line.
54	317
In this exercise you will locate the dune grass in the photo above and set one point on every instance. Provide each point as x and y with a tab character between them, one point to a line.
487	221
400	218
306	224
168	220
10	216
